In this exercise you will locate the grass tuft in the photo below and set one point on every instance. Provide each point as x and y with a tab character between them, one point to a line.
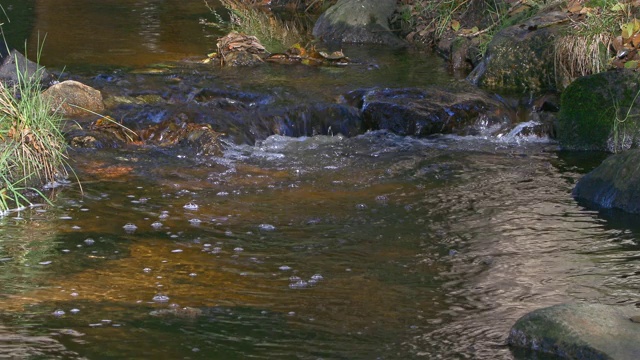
32	146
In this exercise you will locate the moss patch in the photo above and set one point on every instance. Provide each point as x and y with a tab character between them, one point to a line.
589	109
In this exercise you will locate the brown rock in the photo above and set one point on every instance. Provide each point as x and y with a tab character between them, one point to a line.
72	98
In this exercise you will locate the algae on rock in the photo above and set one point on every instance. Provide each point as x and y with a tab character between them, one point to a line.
601	112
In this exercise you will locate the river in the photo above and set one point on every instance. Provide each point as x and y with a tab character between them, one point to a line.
375	246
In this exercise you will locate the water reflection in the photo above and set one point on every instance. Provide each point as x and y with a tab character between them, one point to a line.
120	32
429	248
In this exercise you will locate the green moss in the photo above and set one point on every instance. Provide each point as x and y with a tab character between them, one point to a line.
590	106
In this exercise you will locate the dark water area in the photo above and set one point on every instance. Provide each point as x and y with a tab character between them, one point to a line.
374	246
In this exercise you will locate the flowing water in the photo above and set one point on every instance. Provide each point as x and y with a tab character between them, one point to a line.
370	247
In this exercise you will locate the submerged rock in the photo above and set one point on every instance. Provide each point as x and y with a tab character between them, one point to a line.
580	331
423	112
73	98
358	21
613	184
590	107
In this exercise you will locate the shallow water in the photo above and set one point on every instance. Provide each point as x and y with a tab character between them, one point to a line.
370	247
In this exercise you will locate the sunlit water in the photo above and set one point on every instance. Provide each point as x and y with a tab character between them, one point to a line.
371	247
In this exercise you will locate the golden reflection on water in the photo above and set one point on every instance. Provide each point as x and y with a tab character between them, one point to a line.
120	32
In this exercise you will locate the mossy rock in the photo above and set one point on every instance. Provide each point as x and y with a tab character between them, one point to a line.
520	58
590	106
580	331
358	21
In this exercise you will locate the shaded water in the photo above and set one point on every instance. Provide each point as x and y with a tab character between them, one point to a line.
375	246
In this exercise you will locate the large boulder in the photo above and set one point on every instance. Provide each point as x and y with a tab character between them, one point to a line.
520	58
434	110
601	112
72	98
358	21
613	184
580	332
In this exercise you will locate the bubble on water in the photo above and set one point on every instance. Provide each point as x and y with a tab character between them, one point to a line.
66	251
382	199
163	216
191	206
195	350
222	193
207	245
317	277
177	251
266	227
147	270
66	217
106	321
294	278
89	241
76	227
361	206
285	268
74	311
156	225
195	221
58	313
228	233
161	298
291	313
130	227
238	249
95	325
193	274
216	250
300	284
173	236
74	294
45	262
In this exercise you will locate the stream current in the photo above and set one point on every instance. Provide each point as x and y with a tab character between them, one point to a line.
370	247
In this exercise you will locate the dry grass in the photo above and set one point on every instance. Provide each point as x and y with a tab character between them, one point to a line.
580	55
275	34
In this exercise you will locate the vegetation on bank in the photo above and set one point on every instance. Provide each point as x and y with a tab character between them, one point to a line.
32	147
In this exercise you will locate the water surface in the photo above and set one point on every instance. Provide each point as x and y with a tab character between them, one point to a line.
370	247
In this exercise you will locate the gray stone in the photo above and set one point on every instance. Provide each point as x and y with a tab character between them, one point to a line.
14	67
358	21
580	331
613	184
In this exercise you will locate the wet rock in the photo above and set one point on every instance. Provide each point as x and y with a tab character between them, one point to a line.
199	137
358	21
242	59
580	331
613	184
73	98
15	66
312	119
520	58
590	106
423	112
